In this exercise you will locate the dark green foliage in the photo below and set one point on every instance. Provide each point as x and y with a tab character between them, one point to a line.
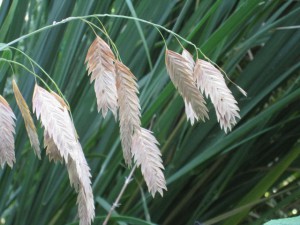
210	175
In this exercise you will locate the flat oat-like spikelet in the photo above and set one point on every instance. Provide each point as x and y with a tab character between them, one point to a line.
147	155
55	119
190	114
100	63
51	149
211	82
7	130
129	108
179	70
29	125
79	174
62	143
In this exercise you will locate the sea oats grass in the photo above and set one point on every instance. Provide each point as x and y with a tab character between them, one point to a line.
29	125
116	89
137	142
129	108
180	70
211	82
100	63
7	130
62	143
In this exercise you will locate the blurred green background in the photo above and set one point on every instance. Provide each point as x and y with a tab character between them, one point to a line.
248	176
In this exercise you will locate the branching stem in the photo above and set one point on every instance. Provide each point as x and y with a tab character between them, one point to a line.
24	67
157	26
98	15
32	61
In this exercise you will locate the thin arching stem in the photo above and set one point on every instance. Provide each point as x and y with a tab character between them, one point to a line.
177	36
117	201
24	67
97	15
83	18
48	76
110	40
162	36
12	69
91	25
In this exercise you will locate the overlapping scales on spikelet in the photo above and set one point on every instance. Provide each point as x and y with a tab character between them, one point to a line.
129	108
29	125
179	70
211	82
103	66
7	130
61	136
190	114
189	59
51	149
55	119
79	174
100	64
148	156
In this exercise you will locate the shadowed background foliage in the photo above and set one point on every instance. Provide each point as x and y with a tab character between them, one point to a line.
245	177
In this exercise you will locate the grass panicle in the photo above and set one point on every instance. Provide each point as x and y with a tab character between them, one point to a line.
137	142
7	131
180	71
211	82
100	64
51	150
188	77
62	143
129	108
29	124
147	155
204	168
190	114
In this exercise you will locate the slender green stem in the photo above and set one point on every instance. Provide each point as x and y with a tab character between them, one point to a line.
146	210
83	18
48	76
103	30
12	69
162	36
91	25
24	67
98	15
174	132
110	40
116	203
29	60
179	42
